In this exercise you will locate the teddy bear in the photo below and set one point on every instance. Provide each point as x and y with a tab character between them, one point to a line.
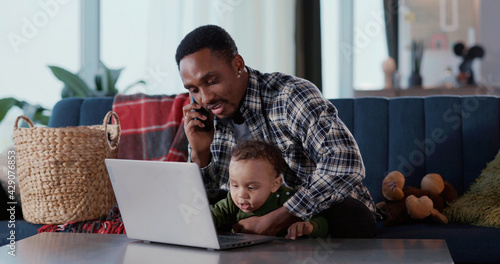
406	204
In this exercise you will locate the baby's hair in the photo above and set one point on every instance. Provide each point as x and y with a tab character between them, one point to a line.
255	149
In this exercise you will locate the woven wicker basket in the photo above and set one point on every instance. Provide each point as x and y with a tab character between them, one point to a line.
61	171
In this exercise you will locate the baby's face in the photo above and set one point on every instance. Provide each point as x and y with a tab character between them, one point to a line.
252	181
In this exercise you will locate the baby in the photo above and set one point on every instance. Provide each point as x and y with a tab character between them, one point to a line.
256	189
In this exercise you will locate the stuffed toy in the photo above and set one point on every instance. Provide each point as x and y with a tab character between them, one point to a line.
406	204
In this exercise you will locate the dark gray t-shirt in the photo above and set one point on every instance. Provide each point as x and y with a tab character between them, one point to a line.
242	131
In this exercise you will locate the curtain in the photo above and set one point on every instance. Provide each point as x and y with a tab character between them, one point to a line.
263	31
391	8
308	41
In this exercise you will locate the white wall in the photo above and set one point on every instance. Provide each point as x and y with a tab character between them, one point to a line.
490	39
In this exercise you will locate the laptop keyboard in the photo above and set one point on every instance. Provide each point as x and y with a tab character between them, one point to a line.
224	240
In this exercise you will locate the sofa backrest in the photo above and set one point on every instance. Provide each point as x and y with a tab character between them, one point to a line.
80	111
454	136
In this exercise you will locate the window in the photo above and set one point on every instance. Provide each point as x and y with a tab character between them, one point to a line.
142	36
36	34
353	46
125	33
330	48
369	45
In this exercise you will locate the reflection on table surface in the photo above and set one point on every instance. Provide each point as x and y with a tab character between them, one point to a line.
321	250
97	248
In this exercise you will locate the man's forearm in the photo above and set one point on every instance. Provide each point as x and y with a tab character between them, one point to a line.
202	159
281	219
269	224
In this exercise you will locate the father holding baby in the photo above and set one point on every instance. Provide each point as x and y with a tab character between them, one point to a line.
323	162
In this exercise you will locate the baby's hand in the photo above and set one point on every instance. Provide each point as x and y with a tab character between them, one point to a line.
299	229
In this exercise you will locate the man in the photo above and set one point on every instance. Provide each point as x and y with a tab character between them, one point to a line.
324	165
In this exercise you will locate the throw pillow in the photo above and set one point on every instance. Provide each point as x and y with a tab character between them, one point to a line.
481	204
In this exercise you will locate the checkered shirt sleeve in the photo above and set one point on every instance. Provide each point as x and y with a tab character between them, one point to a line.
328	158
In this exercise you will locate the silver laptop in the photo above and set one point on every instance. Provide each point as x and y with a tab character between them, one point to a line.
166	202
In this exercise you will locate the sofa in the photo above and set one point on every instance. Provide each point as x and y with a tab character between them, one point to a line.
455	136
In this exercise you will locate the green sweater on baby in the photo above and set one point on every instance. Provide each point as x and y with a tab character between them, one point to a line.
225	212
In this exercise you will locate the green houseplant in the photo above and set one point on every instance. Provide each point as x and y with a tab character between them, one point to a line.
74	86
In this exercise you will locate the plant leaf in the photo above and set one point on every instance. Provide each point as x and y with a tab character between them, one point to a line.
30	110
134	84
66	92
106	82
109	79
6	104
115	74
40	117
72	81
98	82
35	113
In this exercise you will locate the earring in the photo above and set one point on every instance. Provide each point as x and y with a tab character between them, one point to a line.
239	73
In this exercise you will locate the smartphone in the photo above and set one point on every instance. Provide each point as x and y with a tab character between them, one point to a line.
203	111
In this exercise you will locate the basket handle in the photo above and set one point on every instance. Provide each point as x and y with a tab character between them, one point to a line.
25	118
105	122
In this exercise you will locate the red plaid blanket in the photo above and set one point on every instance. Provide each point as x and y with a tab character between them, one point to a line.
152	128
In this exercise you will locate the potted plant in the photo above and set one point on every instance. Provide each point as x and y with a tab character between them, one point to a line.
74	86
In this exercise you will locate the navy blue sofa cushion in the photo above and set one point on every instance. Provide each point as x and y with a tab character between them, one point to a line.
454	136
451	135
80	111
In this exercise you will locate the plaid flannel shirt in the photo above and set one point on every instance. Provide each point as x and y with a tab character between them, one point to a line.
324	164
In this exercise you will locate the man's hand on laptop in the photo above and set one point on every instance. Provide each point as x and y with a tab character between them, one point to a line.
269	224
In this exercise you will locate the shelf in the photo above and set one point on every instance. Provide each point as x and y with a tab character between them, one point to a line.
419	91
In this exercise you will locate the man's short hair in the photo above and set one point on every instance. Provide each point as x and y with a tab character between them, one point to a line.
220	43
257	149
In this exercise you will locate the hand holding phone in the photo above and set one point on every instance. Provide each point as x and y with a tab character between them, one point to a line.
203	111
